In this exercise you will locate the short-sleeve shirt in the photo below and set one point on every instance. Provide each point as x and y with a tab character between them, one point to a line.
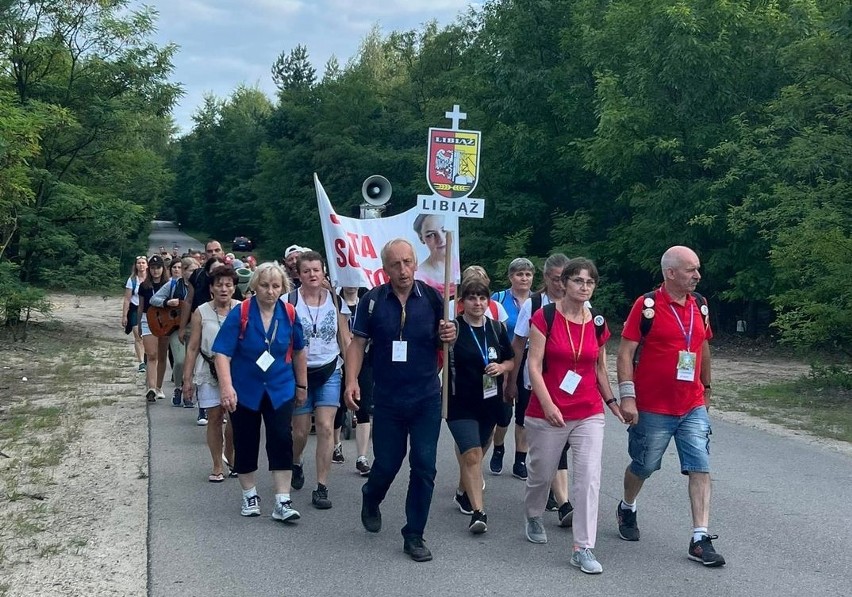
249	380
466	400
506	299
133	286
522	329
320	327
559	358
416	379
655	377
145	294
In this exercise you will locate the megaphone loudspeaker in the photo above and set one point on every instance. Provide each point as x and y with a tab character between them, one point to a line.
376	190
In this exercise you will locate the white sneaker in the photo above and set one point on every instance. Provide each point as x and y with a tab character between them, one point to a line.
160	394
284	512
585	560
251	506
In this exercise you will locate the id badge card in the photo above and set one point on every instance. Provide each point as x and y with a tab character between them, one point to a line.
570	382
489	386
686	361
400	351
265	360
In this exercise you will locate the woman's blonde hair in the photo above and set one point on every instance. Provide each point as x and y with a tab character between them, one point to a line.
267	269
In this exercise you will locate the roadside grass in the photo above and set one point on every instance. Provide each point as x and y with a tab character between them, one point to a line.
807	404
40	421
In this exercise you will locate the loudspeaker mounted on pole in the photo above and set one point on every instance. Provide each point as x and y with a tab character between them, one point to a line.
376	191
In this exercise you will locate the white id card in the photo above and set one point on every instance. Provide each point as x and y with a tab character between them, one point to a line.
686	366
489	386
265	360
570	382
400	351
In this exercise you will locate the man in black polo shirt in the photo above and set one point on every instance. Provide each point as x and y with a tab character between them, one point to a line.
402	319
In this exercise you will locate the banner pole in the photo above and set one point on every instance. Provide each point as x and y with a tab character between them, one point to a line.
445	371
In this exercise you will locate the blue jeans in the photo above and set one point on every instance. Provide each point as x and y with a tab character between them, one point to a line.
328	394
650	437
394	427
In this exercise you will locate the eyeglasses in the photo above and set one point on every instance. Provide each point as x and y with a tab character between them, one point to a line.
581	282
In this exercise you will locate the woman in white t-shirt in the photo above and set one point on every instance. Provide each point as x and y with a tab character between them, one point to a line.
324	321
130	304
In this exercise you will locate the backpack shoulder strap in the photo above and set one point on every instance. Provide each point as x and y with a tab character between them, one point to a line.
291	315
599	321
244	313
703	308
293	297
549	316
536	302
648	313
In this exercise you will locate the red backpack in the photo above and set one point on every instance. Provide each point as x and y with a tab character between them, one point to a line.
291	314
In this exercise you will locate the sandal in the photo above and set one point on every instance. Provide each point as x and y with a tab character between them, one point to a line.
216	477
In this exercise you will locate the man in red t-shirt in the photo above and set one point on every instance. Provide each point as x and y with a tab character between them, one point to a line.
667	395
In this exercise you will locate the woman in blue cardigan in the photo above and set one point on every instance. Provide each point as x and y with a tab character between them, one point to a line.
262	370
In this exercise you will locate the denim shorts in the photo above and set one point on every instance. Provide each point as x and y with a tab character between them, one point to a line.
650	437
328	394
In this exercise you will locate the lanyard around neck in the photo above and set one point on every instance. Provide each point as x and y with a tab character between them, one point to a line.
482	351
686	335
575	352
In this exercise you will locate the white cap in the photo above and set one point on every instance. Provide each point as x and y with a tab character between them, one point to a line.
292	249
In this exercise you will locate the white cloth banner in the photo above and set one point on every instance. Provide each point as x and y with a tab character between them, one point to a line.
353	246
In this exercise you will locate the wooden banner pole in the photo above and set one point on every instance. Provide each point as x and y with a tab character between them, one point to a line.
445	371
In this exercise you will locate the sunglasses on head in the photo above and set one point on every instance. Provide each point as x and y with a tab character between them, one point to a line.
138	257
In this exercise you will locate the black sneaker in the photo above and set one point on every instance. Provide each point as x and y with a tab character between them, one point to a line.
478	522
496	464
201	419
363	467
416	548
551	506
297	481
177	397
463	502
566	514
704	552
519	470
371	517
627	527
337	456
319	497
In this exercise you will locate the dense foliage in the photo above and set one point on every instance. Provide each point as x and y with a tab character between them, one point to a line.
611	129
85	107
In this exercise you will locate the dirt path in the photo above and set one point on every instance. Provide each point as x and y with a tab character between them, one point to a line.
73	489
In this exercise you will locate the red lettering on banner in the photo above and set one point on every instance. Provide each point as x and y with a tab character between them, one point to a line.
367	249
334	219
339	245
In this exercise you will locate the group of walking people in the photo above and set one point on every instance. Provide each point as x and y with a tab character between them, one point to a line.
290	352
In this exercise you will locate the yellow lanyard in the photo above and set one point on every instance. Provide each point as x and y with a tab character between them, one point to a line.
401	322
576	351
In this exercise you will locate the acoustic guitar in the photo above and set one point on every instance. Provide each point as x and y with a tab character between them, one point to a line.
164	320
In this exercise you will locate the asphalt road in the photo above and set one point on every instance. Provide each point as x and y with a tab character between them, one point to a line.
780	508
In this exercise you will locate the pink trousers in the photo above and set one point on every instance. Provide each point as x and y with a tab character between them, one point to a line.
545	448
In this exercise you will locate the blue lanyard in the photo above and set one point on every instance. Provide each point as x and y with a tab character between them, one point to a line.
482	352
686	335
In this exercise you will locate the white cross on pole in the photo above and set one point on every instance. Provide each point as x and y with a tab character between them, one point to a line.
456	115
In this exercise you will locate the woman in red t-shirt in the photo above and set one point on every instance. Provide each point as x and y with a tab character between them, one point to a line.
569	388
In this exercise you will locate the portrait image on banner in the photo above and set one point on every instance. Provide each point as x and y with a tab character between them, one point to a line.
353	246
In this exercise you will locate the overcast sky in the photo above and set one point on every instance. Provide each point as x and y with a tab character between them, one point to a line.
225	43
